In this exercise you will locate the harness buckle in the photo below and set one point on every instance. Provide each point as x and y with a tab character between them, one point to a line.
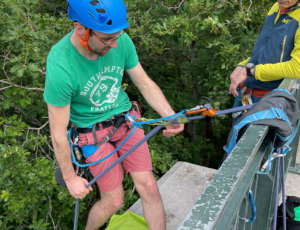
106	139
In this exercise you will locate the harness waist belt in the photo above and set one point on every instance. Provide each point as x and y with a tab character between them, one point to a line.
105	124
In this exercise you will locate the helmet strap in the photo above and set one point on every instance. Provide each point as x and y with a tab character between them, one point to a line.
84	42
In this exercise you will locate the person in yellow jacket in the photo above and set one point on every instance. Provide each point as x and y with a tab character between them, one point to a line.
275	56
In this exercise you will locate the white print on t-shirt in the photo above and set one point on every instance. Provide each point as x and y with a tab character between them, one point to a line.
103	88
94	79
104	108
105	91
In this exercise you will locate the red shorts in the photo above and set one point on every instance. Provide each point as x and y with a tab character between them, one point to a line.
137	161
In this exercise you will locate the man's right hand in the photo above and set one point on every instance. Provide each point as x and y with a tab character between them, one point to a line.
76	186
238	76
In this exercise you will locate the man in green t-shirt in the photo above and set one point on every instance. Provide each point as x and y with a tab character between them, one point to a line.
83	84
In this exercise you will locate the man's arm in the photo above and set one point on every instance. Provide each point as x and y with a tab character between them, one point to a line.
272	72
288	69
59	120
154	96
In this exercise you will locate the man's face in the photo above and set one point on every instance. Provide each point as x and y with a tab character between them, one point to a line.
97	40
286	3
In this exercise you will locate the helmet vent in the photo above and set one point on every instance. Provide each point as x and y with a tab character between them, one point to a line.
93	17
91	13
101	10
95	20
94	2
109	23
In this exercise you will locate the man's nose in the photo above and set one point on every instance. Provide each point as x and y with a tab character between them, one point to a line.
114	44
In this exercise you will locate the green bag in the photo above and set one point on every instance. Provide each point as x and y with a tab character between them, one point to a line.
127	221
297	213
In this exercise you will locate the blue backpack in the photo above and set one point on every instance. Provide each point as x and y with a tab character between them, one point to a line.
277	109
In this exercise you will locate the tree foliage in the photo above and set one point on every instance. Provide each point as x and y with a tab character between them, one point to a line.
189	48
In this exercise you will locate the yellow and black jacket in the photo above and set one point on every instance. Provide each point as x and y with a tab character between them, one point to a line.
276	53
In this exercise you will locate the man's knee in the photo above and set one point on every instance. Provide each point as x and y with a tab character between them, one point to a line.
114	200
148	189
117	203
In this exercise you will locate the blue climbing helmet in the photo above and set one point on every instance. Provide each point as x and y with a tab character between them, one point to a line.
105	16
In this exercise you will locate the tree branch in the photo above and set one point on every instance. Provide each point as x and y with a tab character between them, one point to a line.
249	8
19	86
173	7
49	212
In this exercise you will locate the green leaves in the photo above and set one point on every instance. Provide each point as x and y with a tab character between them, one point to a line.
40	225
4	195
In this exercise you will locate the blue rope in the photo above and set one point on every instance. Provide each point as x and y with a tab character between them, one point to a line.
251	199
96	162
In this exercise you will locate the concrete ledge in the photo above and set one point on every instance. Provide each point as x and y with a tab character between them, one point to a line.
180	187
292	182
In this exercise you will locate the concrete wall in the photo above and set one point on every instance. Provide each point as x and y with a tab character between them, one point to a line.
180	187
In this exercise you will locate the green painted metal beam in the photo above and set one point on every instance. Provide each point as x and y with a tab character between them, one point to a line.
210	206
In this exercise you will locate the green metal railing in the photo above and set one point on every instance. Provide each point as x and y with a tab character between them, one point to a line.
224	204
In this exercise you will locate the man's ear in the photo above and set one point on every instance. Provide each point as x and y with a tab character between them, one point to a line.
80	29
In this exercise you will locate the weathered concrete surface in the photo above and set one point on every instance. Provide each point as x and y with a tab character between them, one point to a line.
293	180
292	183
180	187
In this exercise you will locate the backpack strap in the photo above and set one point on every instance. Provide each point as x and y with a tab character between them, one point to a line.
285	90
272	113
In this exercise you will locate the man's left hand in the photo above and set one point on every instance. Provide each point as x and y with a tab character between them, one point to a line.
173	129
236	81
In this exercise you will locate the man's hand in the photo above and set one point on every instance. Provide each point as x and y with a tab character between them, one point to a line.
238	76
76	186
173	129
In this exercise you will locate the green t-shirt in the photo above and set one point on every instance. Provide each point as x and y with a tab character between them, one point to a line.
93	88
